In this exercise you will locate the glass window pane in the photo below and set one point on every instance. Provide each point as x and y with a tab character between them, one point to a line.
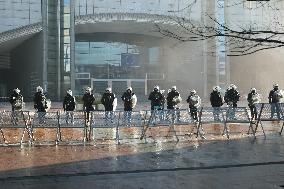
66	32
66	20
66	39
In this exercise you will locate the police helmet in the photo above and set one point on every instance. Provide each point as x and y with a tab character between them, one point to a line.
253	90
39	89
275	85
193	92
88	90
129	88
216	88
17	90
69	92
232	86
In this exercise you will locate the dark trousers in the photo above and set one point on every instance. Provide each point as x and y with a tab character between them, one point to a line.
253	111
193	113
216	113
275	108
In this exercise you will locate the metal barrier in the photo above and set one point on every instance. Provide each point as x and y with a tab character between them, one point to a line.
224	115
45	120
143	120
210	115
116	119
237	115
266	112
73	120
104	119
169	118
4	99
15	120
133	119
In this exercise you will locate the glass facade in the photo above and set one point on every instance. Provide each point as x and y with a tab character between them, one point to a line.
114	61
69	59
65	28
17	13
161	7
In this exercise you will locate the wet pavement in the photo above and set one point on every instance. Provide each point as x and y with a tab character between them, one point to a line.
241	162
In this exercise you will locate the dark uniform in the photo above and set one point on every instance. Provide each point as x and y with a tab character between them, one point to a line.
232	97
171	95
273	96
157	100
69	103
216	101
274	99
107	101
193	101
251	103
127	99
171	105
41	105
88	100
16	100
40	102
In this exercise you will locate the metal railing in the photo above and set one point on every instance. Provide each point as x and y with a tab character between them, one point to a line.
90	122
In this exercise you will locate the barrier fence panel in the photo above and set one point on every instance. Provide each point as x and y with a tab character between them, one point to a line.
154	118
105	119
133	119
116	120
210	115
237	115
15	120
45	120
72	120
157	117
170	118
188	117
269	112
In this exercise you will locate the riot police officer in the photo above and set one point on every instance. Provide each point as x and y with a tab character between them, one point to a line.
232	96
40	102
194	102
173	100
16	100
69	102
275	97
253	98
109	101
157	99
88	100
129	98
69	105
216	101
